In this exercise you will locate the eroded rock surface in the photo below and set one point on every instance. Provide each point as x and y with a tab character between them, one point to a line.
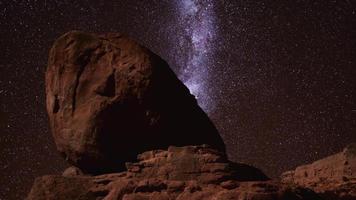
192	172
333	177
109	98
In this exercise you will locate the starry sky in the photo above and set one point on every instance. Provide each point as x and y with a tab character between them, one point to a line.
278	78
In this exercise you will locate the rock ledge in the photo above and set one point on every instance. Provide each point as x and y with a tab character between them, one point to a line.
190	172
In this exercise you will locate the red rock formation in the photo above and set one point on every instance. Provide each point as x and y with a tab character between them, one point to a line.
333	177
192	172
108	99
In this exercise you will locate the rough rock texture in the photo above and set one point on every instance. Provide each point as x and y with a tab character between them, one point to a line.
108	99
333	177
192	172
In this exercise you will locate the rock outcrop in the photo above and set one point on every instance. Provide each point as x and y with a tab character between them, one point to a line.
191	172
132	131
109	98
333	177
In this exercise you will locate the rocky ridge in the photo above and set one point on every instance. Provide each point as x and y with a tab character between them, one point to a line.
190	172
333	177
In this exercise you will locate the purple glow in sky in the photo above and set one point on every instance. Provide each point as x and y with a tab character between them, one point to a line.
197	19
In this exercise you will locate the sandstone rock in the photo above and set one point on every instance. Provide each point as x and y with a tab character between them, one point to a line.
72	171
109	98
193	172
200	163
118	188
333	177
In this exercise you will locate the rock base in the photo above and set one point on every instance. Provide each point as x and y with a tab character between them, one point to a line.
190	172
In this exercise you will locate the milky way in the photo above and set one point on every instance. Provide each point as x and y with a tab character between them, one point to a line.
196	20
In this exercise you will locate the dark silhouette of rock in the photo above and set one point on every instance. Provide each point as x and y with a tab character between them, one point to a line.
109	98
334	177
191	172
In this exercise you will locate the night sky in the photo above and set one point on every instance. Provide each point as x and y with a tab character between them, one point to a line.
278	79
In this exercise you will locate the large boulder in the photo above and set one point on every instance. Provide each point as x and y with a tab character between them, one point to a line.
191	172
109	98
